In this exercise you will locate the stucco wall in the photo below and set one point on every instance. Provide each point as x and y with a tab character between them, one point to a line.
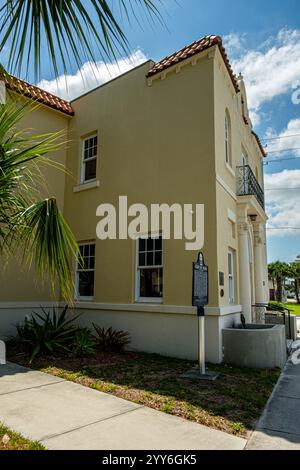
156	144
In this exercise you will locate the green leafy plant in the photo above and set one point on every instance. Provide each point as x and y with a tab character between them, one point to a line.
26	219
111	340
84	344
278	306
49	332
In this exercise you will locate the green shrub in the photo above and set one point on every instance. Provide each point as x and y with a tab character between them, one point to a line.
276	305
50	331
111	340
84	344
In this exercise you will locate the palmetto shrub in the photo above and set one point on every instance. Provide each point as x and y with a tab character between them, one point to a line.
47	332
84	343
111	340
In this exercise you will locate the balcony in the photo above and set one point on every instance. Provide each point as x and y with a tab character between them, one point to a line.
247	184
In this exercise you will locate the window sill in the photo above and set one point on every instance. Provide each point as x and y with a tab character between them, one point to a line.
86	186
228	168
150	300
84	299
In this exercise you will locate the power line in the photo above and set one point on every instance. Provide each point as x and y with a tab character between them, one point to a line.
282	189
281	160
283	228
281	137
284	150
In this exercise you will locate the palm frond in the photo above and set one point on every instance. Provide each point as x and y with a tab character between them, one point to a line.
38	224
65	27
50	244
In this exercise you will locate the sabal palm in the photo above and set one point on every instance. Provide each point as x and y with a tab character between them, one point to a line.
25	218
295	268
69	29
279	271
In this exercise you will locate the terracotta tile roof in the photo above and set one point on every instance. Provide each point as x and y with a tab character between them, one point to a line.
198	46
259	144
37	94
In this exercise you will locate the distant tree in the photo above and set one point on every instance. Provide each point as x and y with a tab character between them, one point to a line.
278	273
295	270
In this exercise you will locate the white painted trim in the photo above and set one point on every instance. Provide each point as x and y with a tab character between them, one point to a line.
231	215
230	169
82	161
27	305
84	186
138	299
154	308
136	307
226	187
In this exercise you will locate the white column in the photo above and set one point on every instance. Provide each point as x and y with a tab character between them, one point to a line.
258	264
244	266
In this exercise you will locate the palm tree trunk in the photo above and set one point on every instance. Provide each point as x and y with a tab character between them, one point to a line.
279	289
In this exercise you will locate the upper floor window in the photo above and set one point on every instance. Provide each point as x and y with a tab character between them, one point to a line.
89	159
227	138
149	269
85	272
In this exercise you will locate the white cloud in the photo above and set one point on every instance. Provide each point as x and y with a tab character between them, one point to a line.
271	70
234	43
90	76
282	206
288	138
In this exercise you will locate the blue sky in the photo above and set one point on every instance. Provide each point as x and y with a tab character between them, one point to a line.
263	42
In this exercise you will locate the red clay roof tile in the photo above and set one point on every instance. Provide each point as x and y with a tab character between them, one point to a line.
37	94
198	46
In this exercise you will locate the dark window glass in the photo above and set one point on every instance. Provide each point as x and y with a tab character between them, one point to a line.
150	244
151	283
90	170
142	259
158	244
158	258
142	244
86	283
150	260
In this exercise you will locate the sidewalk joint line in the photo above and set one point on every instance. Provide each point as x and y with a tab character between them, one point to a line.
32	388
52	436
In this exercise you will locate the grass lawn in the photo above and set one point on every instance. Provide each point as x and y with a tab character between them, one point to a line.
294	308
232	404
10	440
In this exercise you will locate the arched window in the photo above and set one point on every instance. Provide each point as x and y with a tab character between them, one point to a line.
227	138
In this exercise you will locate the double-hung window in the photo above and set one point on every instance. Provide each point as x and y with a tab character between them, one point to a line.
149	269
85	272
231	276
89	159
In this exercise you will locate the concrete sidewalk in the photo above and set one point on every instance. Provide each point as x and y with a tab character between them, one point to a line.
279	426
65	415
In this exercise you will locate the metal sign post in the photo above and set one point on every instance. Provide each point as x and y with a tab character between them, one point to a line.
200	300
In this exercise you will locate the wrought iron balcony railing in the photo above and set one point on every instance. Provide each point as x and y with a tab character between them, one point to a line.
247	184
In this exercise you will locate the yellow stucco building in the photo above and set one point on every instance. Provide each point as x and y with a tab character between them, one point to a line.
176	131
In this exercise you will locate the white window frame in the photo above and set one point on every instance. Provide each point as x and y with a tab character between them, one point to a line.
231	276
78	270
83	160
138	298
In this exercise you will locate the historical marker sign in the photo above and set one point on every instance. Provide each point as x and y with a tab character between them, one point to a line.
200	284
